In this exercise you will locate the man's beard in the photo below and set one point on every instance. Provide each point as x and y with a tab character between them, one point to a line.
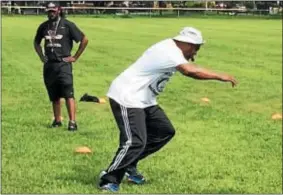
53	19
192	58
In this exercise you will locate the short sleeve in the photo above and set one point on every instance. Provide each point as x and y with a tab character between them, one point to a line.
75	32
170	55
162	56
39	34
177	58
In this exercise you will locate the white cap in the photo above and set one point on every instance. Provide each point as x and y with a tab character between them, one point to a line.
52	6
190	35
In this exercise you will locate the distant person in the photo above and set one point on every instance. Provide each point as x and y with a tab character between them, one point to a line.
59	34
144	127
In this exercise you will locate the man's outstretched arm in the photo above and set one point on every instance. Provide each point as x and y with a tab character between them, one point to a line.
196	72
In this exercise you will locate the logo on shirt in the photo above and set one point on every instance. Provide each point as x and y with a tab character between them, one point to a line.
160	83
52	38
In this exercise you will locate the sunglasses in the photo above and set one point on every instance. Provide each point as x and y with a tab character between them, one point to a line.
197	47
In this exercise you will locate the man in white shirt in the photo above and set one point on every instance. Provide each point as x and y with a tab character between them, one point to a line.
144	127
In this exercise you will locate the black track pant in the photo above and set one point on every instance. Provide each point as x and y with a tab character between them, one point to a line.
142	132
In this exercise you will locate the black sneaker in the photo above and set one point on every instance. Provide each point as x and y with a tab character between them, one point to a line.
56	124
109	187
72	126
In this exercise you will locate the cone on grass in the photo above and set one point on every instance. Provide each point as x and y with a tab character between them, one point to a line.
83	150
102	101
205	99
276	116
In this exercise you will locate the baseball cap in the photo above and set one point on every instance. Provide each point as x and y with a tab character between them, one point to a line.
190	35
52	6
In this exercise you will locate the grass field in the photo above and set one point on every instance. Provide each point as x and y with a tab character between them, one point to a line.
230	145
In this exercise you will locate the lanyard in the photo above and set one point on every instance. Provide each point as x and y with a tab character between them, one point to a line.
53	33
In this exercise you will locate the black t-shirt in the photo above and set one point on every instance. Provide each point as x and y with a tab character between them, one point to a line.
59	37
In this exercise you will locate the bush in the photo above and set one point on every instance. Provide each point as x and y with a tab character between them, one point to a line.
195	4
249	5
211	4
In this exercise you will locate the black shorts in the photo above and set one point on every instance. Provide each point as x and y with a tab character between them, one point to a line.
58	79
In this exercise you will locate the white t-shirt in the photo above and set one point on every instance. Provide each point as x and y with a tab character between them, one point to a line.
140	83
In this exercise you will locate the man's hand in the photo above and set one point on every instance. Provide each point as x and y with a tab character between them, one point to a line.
194	71
69	59
228	78
39	52
44	59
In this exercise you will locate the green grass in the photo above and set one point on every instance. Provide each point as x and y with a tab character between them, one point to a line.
228	146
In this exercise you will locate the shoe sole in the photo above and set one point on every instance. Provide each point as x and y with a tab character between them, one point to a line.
72	129
107	190
134	182
56	126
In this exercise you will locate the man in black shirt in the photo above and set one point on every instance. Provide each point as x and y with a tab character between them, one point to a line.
59	34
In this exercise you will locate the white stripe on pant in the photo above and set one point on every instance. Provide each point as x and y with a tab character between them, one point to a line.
128	143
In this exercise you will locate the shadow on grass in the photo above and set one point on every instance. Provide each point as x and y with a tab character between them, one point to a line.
83	175
80	174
